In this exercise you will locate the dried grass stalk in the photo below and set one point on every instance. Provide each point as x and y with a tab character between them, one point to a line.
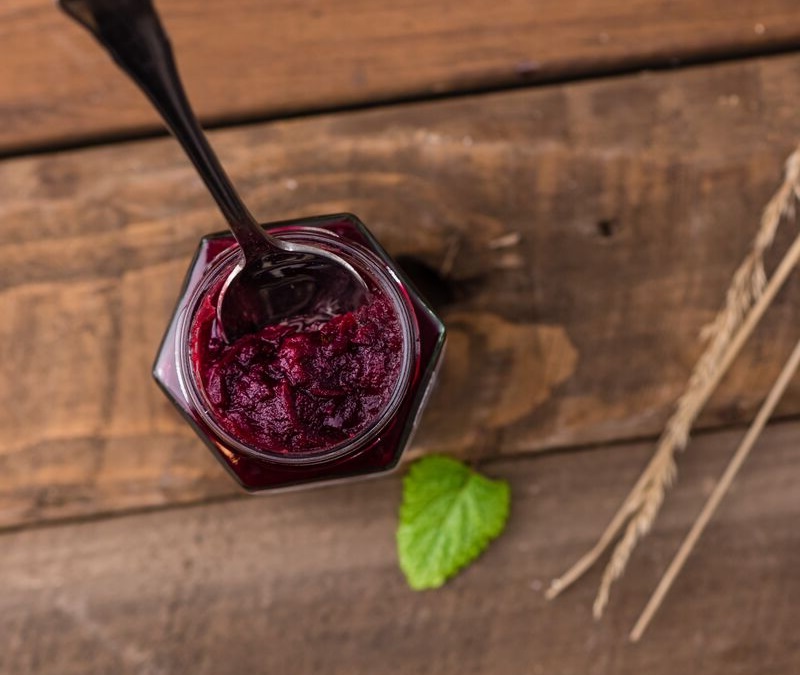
749	291
721	488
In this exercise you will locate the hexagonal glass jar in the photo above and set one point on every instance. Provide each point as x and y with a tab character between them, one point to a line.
376	448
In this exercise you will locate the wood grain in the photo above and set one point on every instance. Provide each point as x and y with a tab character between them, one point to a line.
308	582
248	59
590	231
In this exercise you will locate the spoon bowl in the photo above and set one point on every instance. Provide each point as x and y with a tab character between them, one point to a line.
301	284
277	281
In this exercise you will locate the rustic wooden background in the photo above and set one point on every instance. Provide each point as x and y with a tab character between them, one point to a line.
579	180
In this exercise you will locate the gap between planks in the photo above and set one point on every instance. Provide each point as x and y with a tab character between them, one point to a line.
238	495
212	123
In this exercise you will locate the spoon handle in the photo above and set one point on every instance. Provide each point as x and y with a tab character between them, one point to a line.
132	34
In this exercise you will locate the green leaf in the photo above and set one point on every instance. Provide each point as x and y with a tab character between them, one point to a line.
448	517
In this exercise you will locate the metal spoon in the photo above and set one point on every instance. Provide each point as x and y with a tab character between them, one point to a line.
277	280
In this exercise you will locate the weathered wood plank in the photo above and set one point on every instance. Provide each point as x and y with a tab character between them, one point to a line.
254	59
592	230
308	583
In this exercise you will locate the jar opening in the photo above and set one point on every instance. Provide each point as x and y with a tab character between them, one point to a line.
205	399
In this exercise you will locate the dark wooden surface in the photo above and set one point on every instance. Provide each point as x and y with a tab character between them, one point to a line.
579	235
592	229
308	582
245	58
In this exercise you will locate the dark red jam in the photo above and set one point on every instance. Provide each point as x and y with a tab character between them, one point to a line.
300	389
297	365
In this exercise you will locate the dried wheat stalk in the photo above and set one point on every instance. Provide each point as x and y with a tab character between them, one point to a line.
721	488
746	300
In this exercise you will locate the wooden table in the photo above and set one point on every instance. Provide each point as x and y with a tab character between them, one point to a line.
578	180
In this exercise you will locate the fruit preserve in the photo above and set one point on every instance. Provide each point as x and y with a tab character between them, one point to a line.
313	399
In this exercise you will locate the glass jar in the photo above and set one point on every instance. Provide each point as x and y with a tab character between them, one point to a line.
375	448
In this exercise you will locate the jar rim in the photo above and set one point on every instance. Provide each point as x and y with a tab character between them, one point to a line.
362	259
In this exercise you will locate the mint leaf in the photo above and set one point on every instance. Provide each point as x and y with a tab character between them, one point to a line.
448	516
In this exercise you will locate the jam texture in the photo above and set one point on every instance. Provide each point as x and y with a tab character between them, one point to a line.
290	389
296	391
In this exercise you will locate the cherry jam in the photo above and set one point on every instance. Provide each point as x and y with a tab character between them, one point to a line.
297	403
